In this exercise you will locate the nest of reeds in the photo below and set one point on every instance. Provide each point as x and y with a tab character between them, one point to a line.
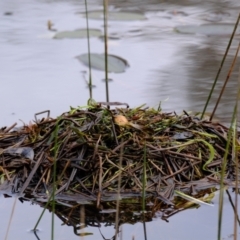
96	152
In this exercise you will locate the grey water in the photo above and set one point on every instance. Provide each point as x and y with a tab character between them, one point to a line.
40	73
198	223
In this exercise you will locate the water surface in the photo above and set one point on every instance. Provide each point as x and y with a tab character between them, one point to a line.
39	73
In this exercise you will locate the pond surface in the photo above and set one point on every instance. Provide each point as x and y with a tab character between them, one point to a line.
190	224
41	73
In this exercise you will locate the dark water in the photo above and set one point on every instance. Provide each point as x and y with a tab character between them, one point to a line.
39	73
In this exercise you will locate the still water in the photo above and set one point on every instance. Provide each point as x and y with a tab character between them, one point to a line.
190	224
40	73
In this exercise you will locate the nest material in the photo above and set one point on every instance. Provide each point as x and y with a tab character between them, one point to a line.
96	154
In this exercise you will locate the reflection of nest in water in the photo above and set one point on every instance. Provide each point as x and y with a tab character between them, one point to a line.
80	216
148	150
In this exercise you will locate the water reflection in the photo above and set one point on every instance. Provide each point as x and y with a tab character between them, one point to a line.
191	79
100	224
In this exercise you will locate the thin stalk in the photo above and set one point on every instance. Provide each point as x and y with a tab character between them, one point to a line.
56	147
55	183
45	207
231	135
82	220
11	217
226	81
144	180
236	218
224	164
233	206
221	65
89	54
105	14
41	215
118	191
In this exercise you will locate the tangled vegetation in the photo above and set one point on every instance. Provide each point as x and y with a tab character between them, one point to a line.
94	154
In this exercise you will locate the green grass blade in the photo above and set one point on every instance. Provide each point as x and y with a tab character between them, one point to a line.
211	155
224	164
191	199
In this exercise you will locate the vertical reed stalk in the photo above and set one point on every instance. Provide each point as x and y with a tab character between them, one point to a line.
89	55
235	161
56	148
52	196
226	81
11	217
118	191
224	164
236	168
221	65
144	180
105	14
82	220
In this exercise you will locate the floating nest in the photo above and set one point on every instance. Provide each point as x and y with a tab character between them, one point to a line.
98	154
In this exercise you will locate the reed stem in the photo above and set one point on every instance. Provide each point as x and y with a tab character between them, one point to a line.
90	86
221	65
105	14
